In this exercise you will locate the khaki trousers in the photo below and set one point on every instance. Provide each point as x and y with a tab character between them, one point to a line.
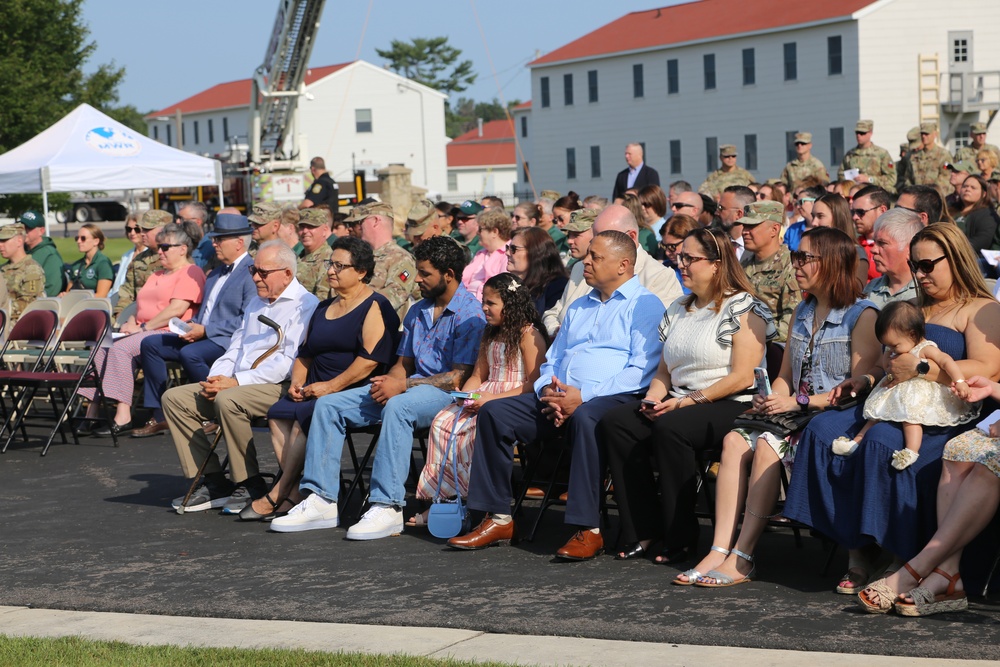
235	408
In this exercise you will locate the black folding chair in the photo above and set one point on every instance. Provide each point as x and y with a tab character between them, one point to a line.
28	347
82	337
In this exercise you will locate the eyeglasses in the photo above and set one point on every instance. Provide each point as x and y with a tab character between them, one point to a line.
515	217
512	249
800	258
679	205
686	260
132	230
924	266
263	273
163	247
83	238
337	266
861	212
907	208
859	132
803	200
670	247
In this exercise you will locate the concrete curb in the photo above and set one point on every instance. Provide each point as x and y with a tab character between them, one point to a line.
428	642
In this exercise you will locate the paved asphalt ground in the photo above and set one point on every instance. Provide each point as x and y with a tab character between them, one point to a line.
89	528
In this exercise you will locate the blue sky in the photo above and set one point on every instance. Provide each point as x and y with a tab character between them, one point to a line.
172	50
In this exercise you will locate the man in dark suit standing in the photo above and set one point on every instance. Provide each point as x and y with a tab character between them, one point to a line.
228	290
637	176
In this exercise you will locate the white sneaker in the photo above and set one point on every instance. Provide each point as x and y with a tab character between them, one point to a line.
313	513
379	521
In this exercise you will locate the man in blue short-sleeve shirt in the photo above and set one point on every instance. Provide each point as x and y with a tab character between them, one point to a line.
441	336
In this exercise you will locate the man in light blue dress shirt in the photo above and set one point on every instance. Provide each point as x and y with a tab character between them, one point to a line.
604	355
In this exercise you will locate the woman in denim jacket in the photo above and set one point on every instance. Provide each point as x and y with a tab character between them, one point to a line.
832	337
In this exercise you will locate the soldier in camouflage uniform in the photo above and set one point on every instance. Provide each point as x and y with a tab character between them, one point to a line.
728	174
422	222
874	162
314	228
24	276
977	131
805	165
930	161
265	221
904	169
142	265
395	271
770	271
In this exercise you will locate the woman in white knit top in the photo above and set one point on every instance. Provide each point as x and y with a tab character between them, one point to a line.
713	339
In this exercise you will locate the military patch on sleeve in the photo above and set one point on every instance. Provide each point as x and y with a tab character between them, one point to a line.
404	276
316	189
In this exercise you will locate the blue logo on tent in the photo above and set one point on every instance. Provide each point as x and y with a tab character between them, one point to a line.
113	142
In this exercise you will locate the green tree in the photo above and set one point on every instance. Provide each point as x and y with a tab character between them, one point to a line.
466	114
45	46
432	62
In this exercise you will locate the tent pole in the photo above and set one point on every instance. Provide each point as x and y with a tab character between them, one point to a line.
45	210
222	198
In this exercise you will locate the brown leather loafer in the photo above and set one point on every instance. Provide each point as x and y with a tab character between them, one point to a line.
534	493
486	534
151	428
584	545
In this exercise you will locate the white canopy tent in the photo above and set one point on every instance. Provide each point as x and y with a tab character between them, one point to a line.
88	150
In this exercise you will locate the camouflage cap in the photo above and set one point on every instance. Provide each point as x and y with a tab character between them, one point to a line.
928	127
803	138
762	211
963	165
580	220
549	194
359	213
913	136
313	217
10	230
154	218
420	216
977	128
864	126
265	212
31	220
727	150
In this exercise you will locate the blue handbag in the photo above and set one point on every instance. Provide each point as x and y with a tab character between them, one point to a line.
447	517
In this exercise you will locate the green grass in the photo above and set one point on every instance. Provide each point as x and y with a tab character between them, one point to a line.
37	652
113	248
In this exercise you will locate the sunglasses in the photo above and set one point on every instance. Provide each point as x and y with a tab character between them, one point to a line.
83	238
670	247
263	273
803	200
512	249
800	258
163	247
861	212
132	230
679	205
337	266
924	266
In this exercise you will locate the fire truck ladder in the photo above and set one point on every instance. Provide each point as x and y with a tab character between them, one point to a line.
279	82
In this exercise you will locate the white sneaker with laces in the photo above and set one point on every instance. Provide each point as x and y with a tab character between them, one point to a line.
313	513
378	522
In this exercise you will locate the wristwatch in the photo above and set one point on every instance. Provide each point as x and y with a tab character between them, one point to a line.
923	368
803	401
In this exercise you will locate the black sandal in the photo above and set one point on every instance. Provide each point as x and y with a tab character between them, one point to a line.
248	513
634	550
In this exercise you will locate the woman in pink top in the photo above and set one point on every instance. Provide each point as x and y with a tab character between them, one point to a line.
494	232
174	291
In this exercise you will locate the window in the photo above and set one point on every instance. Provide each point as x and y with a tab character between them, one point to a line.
750	152
570	163
225	128
524	126
156	132
637	86
196	140
749	71
790	153
595	161
709	71
592	85
183	135
791	62
568	89
211	132
544	82
675	156
960	50
834	56
452	181
363	120
712	153
836	145
673	85
170	141
962	138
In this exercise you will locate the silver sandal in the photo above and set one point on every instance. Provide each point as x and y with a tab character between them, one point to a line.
693	574
720	580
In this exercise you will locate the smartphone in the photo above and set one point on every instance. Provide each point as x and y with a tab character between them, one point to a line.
460	396
761	382
649	403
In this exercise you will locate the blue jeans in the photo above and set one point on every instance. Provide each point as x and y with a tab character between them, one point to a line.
354	408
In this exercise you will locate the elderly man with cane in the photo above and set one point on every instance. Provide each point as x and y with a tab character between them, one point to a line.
242	384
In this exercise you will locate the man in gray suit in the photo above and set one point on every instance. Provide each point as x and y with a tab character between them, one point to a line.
228	290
